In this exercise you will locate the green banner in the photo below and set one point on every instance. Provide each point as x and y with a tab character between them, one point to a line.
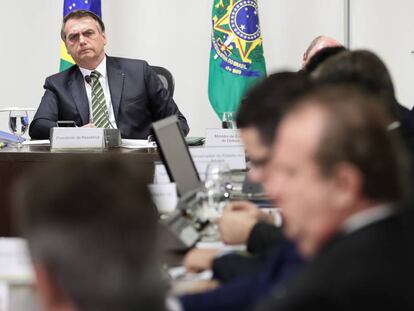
236	58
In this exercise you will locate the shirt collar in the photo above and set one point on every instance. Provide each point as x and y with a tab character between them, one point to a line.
367	217
101	68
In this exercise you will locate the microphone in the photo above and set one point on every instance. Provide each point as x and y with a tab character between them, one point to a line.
88	80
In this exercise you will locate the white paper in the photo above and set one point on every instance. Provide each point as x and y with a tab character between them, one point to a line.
4	296
222	137
164	197
137	144
234	156
45	142
15	264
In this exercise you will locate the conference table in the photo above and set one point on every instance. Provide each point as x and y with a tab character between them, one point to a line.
16	163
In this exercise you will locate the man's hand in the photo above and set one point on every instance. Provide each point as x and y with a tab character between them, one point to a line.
197	260
252	209
89	125
238	220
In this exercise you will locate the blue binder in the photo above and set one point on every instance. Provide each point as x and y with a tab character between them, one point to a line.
10	138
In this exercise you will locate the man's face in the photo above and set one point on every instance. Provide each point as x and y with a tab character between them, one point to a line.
257	152
295	184
84	42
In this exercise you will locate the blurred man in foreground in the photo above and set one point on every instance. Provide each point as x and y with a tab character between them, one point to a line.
340	178
242	221
366	69
272	259
91	231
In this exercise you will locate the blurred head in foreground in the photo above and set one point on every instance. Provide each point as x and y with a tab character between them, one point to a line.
362	68
91	230
261	111
333	158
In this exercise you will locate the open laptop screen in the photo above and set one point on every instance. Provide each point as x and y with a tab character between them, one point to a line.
175	154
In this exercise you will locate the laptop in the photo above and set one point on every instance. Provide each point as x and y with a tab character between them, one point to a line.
175	155
182	230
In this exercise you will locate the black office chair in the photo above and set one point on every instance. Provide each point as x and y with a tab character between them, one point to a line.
166	77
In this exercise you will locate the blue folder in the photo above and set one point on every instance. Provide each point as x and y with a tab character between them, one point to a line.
10	138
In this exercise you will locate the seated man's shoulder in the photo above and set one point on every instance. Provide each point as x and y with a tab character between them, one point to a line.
128	62
63	76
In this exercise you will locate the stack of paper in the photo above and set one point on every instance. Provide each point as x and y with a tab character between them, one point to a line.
137	144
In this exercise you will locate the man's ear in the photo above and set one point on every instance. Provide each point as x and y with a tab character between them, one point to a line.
304	59
348	183
104	36
49	293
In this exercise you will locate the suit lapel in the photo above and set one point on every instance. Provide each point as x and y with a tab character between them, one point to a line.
116	83
81	99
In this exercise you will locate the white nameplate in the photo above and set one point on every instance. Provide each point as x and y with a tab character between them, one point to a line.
222	137
234	156
77	138
164	197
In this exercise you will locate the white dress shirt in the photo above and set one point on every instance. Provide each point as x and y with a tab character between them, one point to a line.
103	79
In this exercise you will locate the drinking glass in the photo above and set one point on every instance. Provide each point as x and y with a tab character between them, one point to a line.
228	120
18	123
218	187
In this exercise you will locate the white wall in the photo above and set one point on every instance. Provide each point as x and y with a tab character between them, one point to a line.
290	25
170	33
387	27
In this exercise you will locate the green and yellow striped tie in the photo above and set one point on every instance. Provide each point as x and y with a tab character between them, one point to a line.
99	109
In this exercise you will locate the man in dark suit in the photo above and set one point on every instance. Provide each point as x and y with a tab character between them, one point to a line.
133	94
340	177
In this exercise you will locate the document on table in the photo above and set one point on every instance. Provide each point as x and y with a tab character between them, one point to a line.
41	142
137	144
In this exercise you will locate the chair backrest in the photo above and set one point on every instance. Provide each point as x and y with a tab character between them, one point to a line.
166	78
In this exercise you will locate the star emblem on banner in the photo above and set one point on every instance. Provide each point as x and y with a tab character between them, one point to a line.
240	25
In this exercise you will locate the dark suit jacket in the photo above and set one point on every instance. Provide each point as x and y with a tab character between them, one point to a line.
245	292
264	239
138	99
370	269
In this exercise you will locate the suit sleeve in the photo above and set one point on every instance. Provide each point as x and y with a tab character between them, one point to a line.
162	104
263	237
245	292
46	115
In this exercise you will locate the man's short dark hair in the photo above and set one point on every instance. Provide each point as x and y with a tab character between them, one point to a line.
265	104
76	14
362	68
355	132
322	55
93	226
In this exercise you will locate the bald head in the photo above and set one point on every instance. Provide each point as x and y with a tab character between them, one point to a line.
318	44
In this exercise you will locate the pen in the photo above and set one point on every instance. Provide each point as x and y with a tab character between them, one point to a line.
2	145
